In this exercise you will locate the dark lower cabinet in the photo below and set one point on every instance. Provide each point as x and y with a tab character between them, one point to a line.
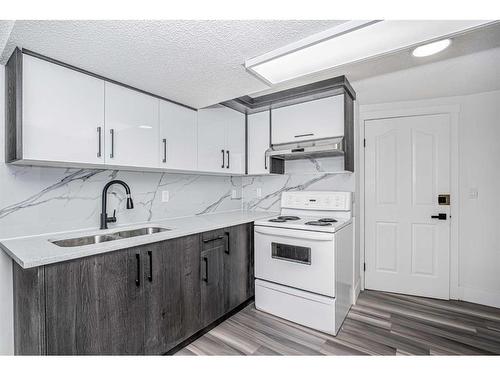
172	293
95	306
238	266
142	300
212	284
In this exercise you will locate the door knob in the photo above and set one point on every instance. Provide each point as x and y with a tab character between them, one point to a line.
439	216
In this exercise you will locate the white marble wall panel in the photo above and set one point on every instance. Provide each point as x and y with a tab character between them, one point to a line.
37	200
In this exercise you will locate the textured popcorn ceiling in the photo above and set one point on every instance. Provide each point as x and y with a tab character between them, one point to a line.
197	63
200	63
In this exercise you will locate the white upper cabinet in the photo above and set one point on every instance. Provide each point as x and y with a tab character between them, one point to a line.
178	137
258	142
221	140
63	114
235	142
132	128
211	140
316	119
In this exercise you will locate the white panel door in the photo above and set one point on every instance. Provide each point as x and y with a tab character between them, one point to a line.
316	119
407	163
258	142
235	141
178	137
63	113
132	127
211	140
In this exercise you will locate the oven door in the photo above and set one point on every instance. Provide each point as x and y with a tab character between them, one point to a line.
296	258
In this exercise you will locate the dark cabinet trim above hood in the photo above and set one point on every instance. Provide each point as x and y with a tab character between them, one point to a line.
317	90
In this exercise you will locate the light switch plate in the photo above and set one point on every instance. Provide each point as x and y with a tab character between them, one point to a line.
165	196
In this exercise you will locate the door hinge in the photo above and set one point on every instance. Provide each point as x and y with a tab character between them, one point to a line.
364	142
364	267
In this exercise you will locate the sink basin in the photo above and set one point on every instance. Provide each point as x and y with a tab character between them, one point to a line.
82	241
139	232
98	238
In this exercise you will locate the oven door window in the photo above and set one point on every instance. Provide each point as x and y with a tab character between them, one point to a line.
291	253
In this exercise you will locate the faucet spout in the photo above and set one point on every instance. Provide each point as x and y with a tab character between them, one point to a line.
104	215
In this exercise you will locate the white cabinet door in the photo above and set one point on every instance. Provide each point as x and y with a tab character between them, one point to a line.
211	140
132	128
235	141
178	137
321	118
258	142
63	111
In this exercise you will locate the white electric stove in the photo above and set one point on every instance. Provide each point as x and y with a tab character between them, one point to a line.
304	260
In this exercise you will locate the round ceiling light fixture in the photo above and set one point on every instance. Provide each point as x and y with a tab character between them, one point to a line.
431	48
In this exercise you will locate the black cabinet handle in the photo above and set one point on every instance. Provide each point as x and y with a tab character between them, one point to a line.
439	216
164	160
227	159
138	273
227	250
265	161
205	259
99	139
303	135
150	256
223	162
112	153
213	239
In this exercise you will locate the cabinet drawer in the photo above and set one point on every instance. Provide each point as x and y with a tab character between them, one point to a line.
215	238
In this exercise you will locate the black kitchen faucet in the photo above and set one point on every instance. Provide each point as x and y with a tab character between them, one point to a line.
104	215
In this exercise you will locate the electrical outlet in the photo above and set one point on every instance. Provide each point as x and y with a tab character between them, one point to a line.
234	194
165	196
258	192
473	193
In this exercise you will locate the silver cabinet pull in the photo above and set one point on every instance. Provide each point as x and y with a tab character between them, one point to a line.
99	136
304	135
164	150
112	132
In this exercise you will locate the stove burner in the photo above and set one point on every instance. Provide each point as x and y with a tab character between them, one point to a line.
328	220
291	218
278	220
318	223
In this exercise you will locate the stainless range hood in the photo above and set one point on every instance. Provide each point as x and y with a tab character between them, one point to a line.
319	148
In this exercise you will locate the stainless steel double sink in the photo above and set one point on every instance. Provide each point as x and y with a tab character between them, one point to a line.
99	238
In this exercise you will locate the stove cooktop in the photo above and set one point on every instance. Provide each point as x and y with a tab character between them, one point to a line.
310	223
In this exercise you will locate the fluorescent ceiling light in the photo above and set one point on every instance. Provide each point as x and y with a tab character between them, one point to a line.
431	48
350	42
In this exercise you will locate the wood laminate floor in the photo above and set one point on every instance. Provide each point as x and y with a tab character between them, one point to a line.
379	324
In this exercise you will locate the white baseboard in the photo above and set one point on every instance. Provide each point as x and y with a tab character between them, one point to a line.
356	290
482	297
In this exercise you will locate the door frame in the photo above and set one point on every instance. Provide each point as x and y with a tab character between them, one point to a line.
406	109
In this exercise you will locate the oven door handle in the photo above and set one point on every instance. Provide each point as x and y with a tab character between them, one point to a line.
293	233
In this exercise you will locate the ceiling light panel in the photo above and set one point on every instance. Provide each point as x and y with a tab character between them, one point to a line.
350	42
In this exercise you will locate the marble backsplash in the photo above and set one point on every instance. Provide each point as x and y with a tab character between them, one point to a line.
36	200
300	175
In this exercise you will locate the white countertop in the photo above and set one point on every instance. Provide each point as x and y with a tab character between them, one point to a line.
34	251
